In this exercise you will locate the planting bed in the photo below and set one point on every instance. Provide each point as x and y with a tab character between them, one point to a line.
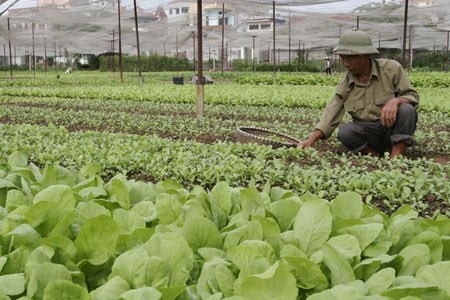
120	192
176	121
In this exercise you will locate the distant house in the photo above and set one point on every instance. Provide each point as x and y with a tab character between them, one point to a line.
262	24
61	4
418	3
145	18
422	3
66	4
102	3
212	15
176	9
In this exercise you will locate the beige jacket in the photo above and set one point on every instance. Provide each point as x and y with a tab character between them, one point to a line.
364	102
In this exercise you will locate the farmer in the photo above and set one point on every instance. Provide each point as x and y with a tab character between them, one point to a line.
327	66
378	96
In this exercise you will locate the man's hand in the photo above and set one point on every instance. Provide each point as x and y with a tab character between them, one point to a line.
315	135
305	144
389	111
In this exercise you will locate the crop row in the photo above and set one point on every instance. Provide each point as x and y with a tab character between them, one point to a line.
432	99
178	120
418	79
390	183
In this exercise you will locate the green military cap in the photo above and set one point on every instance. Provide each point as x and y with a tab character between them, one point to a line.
355	43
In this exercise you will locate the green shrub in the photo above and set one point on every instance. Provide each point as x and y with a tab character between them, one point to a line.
152	63
430	61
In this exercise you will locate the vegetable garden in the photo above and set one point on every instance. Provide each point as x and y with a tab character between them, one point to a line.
111	191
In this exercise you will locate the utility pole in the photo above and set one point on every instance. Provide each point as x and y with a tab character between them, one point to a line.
411	51
253	54
176	44
289	42
193	48
137	44
405	25
120	44
34	54
447	52
273	37
10	55
379	40
223	35
200	87
113	52
45	55
55	60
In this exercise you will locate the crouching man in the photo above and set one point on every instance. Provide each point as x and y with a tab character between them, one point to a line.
378	96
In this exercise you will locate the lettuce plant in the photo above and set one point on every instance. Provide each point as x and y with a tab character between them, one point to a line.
67	233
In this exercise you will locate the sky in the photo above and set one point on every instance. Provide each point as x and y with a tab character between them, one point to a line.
343	6
19	4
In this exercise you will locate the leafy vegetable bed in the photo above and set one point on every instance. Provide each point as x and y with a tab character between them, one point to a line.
129	196
178	121
422	183
390	183
67	233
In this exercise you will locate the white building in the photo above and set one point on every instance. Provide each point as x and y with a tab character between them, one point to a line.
418	3
177	9
102	3
262	24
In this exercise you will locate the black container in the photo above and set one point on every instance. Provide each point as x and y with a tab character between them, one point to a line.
178	80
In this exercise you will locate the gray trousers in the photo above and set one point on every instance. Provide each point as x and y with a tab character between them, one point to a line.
359	135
